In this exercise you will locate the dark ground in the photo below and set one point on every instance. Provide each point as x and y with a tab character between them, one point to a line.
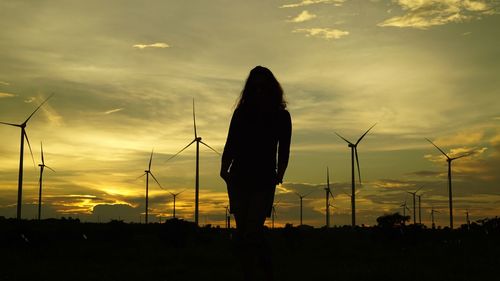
68	250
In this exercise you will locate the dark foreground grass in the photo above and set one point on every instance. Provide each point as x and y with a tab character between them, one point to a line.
67	250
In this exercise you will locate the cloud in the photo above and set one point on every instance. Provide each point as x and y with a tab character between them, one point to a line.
312	2
154	45
302	17
113	110
422	14
6	95
425	173
325	33
30	100
4	83
392	183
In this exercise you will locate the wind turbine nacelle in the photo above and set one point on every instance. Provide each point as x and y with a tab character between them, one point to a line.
198	139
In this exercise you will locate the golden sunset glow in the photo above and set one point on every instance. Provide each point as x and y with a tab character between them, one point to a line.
124	74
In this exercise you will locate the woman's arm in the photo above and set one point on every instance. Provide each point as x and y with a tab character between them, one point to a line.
284	140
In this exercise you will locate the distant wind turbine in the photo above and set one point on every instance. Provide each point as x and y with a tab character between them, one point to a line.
198	140
228	218
420	208
414	193
405	207
23	136
467	218
328	194
354	152
432	217
174	196
149	173
273	213
449	160
302	197
42	166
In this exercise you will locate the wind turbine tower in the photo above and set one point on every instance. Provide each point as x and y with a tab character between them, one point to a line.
42	166
273	213
327	196
405	207
414	194
228	218
23	136
198	140
420	208
450	195
354	153
174	196
301	198
149	173
432	217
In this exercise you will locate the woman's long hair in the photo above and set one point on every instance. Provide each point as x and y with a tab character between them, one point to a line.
262	91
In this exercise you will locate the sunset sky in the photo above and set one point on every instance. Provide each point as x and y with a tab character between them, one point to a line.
124	73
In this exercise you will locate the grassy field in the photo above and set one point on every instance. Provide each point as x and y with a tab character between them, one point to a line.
68	250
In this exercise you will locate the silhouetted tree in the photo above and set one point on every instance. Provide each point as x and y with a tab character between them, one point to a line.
392	220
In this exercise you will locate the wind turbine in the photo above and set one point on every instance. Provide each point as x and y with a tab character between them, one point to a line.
149	173
328	194
432	216
467	218
228	218
42	166
273	214
23	136
405	207
449	160
420	208
302	197
414	206
198	140
174	195
354	152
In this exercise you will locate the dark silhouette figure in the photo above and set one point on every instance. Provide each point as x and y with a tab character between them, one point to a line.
259	133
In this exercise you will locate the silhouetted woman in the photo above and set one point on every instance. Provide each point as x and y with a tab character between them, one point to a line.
259	133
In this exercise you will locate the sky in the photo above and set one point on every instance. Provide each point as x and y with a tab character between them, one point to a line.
124	74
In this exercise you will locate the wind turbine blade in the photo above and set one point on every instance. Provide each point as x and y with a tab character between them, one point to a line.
331	194
210	147
49	168
181	150
357	163
41	149
140	176
29	117
307	194
155	179
29	145
464	155
365	134
438	148
418	190
194	121
344	138
10	124
150	160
